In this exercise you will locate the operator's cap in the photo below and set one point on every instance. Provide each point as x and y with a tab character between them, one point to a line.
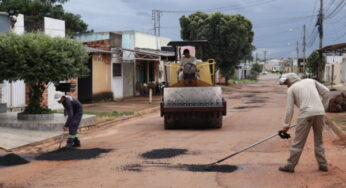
58	96
283	79
292	77
186	51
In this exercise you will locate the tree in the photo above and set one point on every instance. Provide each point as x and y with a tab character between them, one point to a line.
255	70
314	65
230	37
39	60
36	10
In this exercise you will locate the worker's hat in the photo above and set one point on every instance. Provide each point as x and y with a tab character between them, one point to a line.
58	96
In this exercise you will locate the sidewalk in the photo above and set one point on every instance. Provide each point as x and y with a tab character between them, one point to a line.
106	113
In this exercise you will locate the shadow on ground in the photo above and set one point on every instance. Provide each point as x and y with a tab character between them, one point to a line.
66	154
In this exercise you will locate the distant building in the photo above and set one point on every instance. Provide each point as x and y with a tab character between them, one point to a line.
275	65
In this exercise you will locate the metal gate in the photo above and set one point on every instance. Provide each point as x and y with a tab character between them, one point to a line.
13	94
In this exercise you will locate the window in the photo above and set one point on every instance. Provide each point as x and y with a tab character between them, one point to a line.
116	69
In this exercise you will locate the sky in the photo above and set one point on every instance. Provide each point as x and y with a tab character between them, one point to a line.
277	24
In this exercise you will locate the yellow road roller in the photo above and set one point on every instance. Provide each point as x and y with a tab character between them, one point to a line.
191	99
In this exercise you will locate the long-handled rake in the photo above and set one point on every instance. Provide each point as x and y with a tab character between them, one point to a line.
282	134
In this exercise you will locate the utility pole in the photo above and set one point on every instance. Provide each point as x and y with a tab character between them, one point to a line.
153	17
319	25
304	48
297	49
265	58
156	17
297	57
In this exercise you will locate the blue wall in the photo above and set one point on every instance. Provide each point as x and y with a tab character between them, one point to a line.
5	23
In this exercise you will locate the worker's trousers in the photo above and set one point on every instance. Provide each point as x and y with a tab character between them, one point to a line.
73	127
302	131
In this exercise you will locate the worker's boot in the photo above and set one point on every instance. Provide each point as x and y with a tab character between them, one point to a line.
69	143
76	142
323	168
286	169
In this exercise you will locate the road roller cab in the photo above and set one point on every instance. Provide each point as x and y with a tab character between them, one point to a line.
191	99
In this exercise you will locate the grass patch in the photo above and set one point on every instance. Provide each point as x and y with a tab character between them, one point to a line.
246	81
339	120
101	114
343	128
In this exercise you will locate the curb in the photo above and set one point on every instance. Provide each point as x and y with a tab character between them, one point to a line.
136	114
55	139
335	129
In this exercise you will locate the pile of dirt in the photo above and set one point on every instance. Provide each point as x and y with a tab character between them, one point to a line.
12	159
337	102
163	153
66	154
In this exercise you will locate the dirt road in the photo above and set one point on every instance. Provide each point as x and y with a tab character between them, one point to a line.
125	157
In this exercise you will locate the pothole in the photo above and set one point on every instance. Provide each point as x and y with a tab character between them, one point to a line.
163	153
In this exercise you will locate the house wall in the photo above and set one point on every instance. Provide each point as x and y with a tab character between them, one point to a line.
343	69
101	73
128	79
88	37
19	25
54	27
145	40
13	94
335	61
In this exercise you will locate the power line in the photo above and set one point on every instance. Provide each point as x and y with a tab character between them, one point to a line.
251	3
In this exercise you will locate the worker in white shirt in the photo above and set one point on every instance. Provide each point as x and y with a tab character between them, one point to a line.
311	98
186	59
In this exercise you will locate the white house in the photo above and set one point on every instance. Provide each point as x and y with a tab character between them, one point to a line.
13	93
334	69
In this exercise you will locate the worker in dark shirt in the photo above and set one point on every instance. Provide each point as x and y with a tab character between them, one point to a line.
74	111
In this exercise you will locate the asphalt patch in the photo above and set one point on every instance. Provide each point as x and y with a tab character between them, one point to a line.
163	153
209	168
12	159
244	107
184	167
66	154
